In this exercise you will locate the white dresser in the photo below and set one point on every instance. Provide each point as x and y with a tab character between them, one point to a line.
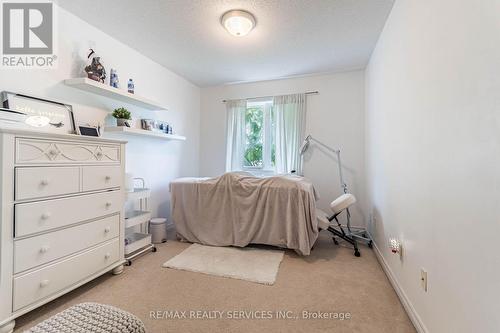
61	216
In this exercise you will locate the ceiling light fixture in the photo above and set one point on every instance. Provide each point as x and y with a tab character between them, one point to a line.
238	22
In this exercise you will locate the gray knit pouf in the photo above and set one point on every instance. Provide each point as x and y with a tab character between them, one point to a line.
91	317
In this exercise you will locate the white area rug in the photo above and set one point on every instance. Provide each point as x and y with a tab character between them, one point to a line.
250	264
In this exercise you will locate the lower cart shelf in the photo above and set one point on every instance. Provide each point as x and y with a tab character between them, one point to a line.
136	241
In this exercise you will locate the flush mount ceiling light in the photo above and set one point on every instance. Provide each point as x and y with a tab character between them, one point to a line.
238	22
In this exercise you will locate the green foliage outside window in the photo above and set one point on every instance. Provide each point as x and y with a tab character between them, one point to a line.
254	151
254	120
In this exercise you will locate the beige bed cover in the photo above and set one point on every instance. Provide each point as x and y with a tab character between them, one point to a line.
237	209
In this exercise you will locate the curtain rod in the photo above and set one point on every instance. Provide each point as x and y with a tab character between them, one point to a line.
307	93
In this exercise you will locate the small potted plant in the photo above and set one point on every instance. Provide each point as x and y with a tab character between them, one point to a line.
122	115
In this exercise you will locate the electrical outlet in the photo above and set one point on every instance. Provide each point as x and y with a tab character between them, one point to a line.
423	279
396	246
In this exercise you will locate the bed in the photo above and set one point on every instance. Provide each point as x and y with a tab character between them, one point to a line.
237	209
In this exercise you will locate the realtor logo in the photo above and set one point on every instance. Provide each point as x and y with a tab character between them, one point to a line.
28	34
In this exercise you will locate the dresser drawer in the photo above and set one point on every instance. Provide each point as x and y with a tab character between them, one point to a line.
46	181
34	286
38	250
101	177
41	216
54	151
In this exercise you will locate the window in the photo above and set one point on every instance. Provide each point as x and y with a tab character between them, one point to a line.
259	151
263	136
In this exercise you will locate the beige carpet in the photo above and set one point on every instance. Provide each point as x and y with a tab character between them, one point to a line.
249	264
330	280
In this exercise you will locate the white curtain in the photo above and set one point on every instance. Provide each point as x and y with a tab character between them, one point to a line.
289	117
235	139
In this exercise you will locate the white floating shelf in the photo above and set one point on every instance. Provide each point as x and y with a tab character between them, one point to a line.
102	89
141	132
137	217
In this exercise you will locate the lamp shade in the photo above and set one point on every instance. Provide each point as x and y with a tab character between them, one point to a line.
238	22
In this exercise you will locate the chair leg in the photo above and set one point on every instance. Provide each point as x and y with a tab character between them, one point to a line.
341	234
354	243
356	250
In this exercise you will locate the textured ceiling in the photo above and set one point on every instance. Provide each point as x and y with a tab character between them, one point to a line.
292	37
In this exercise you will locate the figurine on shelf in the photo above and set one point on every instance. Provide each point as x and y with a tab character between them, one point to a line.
95	71
130	86
113	79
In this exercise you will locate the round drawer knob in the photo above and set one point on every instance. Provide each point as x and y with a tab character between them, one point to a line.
107	178
107	229
45	216
44	182
108	204
98	154
107	255
53	152
44	249
44	283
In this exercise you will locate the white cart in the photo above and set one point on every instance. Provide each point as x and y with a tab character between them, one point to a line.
137	236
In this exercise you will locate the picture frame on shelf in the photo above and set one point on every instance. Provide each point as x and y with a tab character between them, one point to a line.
88	130
44	114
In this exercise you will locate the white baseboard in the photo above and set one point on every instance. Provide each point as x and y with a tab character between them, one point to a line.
410	310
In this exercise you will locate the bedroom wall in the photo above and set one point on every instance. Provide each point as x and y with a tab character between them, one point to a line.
157	161
334	116
433	159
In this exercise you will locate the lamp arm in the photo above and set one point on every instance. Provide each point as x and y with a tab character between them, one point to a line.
337	152
341	175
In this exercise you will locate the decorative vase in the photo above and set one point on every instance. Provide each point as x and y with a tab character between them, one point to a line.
121	122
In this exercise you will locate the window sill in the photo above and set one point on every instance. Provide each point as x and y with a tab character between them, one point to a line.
258	172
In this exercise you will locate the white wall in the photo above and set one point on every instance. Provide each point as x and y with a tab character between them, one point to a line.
433	158
334	116
157	161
